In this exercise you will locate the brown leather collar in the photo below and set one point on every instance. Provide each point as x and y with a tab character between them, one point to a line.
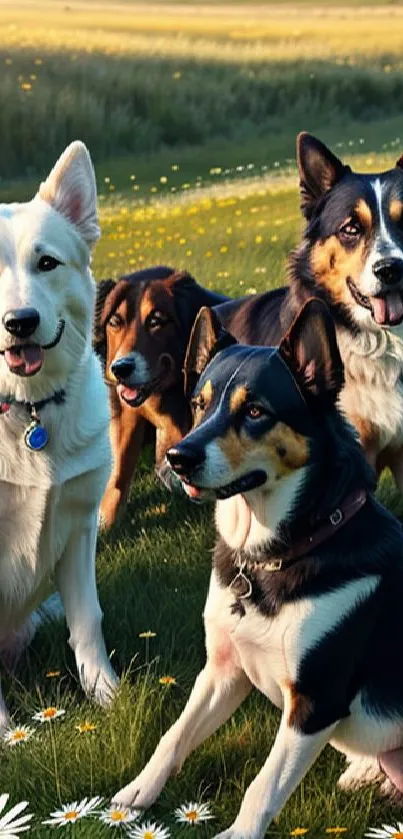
340	516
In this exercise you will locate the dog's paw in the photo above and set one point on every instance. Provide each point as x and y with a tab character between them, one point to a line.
99	684
144	790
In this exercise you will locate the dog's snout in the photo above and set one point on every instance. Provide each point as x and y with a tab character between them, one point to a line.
184	459
389	271
21	322
122	368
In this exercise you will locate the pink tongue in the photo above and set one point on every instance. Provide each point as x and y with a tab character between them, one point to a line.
388	309
26	361
191	491
128	392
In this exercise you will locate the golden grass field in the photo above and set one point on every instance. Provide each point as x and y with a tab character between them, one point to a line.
190	112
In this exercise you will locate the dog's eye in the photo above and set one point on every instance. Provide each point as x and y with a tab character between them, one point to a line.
350	230
254	411
48	263
156	319
115	321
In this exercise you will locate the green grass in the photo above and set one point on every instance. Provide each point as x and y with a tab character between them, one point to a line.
132	79
153	573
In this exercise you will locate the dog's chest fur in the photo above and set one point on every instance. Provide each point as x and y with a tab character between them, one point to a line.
45	494
374	382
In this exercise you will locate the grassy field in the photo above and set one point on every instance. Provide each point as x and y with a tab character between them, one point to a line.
134	79
216	95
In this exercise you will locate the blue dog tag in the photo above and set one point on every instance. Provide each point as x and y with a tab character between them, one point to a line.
36	436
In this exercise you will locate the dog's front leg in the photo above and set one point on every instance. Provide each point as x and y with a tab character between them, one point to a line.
213	699
127	431
75	575
290	758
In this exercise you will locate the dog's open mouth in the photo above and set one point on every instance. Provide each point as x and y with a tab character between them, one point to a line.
135	396
27	359
252	480
386	309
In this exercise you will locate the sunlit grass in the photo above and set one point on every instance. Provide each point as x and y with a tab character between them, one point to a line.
153	571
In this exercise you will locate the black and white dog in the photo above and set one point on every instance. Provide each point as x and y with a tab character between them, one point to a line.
307	582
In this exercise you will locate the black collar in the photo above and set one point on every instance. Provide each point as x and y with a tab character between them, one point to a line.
58	397
247	566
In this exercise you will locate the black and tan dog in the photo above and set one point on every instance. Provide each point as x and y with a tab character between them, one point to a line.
142	327
351	256
307	582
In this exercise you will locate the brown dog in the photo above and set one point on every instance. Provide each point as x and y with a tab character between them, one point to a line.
142	327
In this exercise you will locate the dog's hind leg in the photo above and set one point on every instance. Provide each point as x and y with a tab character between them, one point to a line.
75	576
361	770
212	701
14	645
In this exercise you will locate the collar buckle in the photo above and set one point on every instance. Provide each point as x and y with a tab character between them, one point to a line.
336	517
274	565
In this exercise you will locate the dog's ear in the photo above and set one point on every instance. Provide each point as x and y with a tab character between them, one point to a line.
104	287
310	351
70	188
207	338
319	170
399	163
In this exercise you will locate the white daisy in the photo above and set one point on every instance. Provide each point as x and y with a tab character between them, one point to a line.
70	813
48	714
19	734
148	830
114	816
10	826
386	832
193	813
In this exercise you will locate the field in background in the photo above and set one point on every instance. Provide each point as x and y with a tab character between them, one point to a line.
134	79
192	126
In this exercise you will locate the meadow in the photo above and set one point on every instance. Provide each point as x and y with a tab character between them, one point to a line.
190	113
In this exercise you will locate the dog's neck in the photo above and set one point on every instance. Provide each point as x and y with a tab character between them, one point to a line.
250	522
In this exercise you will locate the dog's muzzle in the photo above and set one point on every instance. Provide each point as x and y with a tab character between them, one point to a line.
27	359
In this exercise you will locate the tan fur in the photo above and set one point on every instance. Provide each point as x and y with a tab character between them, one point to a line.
300	706
332	264
237	399
396	210
284	448
363	212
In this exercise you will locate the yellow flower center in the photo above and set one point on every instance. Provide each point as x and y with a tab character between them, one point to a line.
19	735
192	815
149	835
49	713
397	836
118	815
72	814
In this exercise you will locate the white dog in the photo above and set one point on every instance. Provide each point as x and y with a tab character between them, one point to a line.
54	448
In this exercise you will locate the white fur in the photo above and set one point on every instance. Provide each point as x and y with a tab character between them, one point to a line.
373	363
49	499
247	521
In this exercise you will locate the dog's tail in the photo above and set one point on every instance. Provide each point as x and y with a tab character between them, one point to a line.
16	643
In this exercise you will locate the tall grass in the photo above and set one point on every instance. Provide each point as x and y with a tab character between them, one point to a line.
130	82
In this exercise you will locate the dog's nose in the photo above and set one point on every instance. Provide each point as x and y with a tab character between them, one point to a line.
184	460
389	271
122	368
21	322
